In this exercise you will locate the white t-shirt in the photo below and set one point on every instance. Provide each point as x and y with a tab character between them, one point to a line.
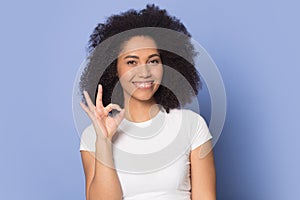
152	157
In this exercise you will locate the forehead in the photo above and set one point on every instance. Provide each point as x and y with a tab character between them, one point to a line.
139	44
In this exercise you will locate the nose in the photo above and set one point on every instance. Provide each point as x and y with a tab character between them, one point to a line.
144	71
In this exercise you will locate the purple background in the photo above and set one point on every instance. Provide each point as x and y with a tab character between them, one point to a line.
255	45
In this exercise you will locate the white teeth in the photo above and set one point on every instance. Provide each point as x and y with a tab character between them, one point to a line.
147	84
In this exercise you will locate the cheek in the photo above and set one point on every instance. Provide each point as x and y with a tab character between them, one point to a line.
125	76
123	71
157	73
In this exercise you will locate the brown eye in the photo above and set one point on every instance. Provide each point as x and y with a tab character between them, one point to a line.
154	62
131	62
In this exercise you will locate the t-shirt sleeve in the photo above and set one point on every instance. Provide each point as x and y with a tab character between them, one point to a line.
201	133
88	139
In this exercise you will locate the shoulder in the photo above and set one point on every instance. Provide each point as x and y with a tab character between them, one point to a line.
88	138
193	124
88	132
189	119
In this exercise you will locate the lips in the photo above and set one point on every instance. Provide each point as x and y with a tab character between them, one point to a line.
143	84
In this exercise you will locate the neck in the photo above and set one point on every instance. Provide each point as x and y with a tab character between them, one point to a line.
140	111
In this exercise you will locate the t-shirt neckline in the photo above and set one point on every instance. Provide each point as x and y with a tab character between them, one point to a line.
147	122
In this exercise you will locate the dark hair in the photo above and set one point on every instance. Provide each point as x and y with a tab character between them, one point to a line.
102	58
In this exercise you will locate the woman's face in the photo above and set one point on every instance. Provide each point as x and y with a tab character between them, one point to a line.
139	68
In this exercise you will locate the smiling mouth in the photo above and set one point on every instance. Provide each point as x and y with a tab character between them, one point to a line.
143	84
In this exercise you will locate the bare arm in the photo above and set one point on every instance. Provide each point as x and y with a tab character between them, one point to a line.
203	175
88	162
102	181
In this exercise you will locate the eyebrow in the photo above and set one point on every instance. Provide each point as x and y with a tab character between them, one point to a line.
136	57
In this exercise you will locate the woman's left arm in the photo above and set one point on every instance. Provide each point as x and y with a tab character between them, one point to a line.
203	174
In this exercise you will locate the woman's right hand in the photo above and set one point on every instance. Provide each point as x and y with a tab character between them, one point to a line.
105	126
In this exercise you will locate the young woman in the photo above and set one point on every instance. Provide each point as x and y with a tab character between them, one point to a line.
145	84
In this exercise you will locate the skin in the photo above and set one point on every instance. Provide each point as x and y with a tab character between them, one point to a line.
138	62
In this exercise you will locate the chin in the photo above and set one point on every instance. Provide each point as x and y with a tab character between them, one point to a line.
142	97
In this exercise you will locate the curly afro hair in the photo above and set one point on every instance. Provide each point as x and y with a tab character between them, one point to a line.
103	53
